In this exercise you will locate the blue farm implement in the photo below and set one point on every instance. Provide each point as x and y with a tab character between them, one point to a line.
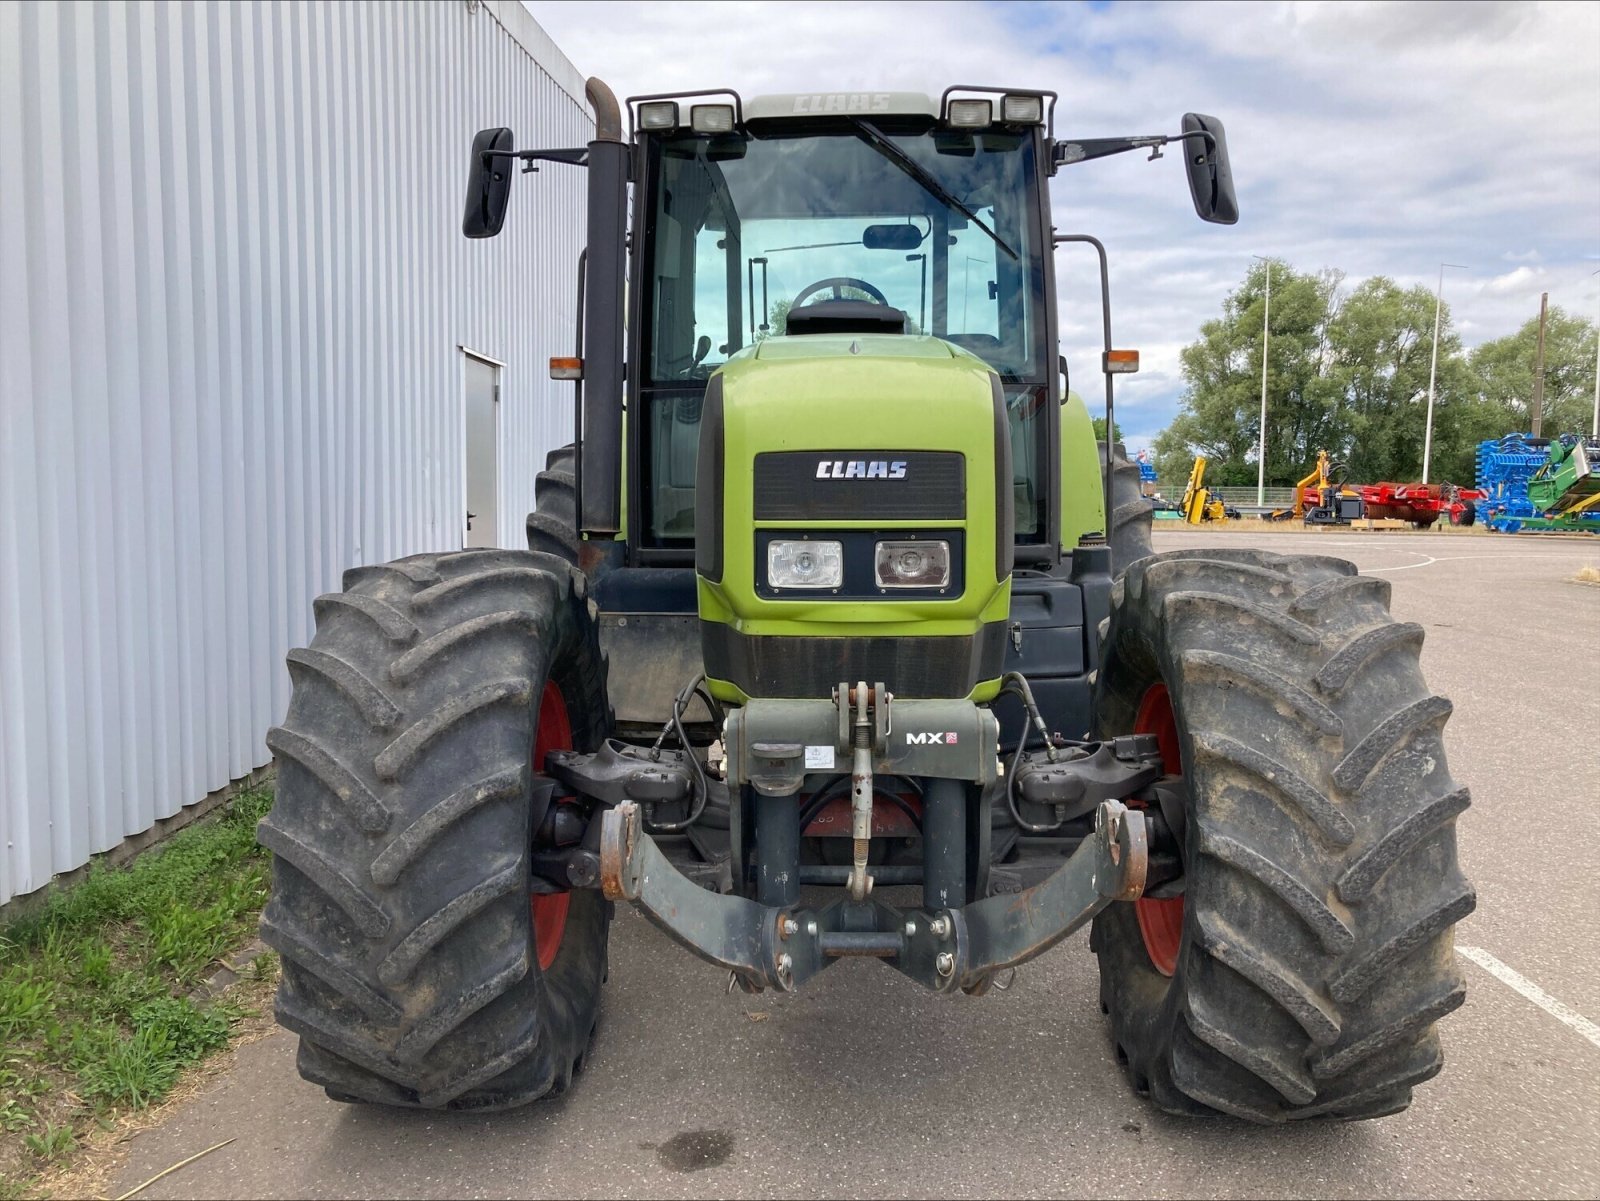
1540	484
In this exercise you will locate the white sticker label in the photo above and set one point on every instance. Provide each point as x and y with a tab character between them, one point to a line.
819	758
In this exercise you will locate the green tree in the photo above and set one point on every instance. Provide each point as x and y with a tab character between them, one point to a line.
1100	429
1220	415
1382	344
1503	375
777	320
1346	372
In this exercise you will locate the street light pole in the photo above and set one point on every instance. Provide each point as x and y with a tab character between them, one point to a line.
1261	452
1433	368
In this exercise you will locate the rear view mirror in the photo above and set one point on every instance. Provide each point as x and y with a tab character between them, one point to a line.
488	183
891	237
726	149
1210	176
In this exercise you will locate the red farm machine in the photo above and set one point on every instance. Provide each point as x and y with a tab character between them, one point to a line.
1324	498
1421	504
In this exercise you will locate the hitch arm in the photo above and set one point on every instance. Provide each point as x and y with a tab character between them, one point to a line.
960	948
1004	931
729	931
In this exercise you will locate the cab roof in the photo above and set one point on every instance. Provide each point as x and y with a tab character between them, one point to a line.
809	104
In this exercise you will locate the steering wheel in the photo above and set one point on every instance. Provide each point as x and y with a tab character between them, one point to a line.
838	283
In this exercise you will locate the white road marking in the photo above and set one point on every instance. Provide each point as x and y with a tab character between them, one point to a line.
1426	561
1516	980
1430	560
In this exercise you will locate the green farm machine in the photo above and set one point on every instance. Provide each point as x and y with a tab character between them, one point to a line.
1566	489
839	637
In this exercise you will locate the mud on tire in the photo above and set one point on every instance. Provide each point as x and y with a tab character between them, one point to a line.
1321	886
401	834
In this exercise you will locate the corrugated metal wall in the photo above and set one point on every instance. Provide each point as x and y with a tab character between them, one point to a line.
232	292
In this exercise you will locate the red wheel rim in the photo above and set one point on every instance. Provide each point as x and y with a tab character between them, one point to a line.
1161	920
550	908
549	924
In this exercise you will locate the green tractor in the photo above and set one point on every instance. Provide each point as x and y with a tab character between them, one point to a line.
839	637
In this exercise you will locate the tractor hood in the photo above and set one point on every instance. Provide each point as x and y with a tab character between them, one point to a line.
846	443
856	347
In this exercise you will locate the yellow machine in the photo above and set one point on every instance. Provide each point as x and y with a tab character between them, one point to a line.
1322	490
1198	503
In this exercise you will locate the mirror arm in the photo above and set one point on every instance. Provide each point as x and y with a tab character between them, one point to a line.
1065	153
578	157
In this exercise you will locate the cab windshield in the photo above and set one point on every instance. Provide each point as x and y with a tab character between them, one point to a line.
941	224
746	228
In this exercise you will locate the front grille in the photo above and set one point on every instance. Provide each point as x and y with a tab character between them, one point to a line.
931	488
788	666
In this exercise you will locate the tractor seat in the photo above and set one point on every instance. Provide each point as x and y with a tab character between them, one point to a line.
845	317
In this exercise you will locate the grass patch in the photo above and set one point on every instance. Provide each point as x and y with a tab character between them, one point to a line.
1588	575
95	1013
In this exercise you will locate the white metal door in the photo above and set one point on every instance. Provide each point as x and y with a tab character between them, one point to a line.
482	395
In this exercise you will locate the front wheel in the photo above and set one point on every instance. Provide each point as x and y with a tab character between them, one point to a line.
421	965
1300	968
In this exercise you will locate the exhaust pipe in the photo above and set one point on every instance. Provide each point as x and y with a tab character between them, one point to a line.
600	435
607	114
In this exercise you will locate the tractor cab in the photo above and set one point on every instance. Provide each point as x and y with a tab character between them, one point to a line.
873	274
866	215
739	221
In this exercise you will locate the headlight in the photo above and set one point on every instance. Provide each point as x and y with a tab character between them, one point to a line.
805	564
913	564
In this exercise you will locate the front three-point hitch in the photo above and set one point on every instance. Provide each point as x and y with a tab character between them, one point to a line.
963	947
779	752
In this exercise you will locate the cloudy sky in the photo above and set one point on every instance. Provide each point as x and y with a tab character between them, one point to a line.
1380	138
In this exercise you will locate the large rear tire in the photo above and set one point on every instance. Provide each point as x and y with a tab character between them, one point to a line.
553	524
1132	515
413	969
1302	969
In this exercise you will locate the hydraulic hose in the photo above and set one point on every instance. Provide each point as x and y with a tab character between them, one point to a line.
702	788
1016	685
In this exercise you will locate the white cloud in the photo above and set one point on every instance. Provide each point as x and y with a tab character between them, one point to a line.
1514	283
1378	138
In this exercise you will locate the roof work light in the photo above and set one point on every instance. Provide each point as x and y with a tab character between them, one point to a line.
970	114
660	116
1022	110
711	118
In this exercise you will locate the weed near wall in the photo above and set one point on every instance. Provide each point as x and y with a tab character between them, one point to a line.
96	1015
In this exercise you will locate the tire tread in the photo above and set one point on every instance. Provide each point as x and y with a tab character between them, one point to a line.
400	833
1317	956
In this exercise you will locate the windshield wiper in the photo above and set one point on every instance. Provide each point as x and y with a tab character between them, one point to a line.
875	138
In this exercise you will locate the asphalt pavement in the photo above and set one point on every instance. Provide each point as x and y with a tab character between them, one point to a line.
863	1085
